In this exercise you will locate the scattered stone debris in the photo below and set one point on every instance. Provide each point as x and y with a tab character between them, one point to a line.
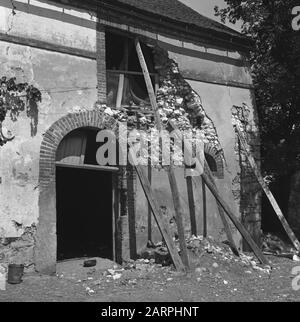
115	273
274	245
208	259
296	258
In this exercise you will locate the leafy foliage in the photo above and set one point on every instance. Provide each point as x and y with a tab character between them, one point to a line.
275	65
15	98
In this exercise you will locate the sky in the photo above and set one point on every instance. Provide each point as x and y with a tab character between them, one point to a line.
206	8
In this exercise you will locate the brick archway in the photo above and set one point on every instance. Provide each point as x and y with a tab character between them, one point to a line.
218	159
45	250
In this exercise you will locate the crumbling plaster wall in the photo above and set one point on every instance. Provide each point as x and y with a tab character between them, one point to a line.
38	24
68	84
56	75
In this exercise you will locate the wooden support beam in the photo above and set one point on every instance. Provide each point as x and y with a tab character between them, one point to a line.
155	208
87	167
209	181
120	91
164	230
149	206
179	216
149	86
226	226
267	191
127	72
170	170
204	209
190	192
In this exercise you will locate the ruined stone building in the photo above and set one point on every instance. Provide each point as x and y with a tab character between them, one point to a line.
55	202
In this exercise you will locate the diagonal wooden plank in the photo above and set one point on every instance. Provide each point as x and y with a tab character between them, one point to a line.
155	208
204	209
149	208
179	216
209	181
266	189
120	91
190	192
164	230
170	169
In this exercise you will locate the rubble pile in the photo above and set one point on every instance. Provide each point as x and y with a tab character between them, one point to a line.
207	258
128	275
221	254
178	101
202	250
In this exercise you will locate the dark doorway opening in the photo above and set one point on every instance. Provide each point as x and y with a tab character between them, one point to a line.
84	213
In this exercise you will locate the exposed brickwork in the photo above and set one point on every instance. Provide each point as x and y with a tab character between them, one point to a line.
57	132
101	64
217	156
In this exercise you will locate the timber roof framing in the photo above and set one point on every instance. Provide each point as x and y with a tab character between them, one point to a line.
184	22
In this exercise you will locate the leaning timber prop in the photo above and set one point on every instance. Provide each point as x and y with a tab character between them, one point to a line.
154	205
191	199
169	169
266	189
164	230
210	183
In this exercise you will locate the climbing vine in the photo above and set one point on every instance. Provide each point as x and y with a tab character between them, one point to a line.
16	98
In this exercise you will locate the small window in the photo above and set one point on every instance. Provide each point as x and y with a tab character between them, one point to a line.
125	81
214	159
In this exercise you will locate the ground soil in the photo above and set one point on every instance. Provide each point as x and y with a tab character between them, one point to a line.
212	278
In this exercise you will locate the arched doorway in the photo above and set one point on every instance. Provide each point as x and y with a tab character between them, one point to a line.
84	199
55	156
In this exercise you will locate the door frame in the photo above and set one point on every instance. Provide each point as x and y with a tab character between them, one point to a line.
115	196
45	241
